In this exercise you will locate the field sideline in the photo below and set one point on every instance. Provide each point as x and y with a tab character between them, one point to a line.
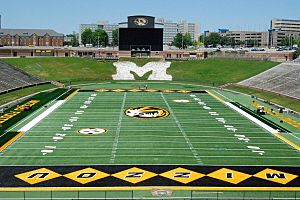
197	137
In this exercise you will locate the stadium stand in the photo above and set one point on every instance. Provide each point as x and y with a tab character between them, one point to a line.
12	78
283	79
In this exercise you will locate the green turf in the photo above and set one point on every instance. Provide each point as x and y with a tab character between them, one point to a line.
269	96
209	72
156	141
11	96
65	69
217	71
43	98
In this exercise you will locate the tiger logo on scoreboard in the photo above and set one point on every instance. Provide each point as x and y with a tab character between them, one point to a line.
146	112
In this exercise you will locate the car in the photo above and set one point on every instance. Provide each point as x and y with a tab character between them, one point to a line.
279	49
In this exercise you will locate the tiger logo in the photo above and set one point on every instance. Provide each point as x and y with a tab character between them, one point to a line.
146	112
92	131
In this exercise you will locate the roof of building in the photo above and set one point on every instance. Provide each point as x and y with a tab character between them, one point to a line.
28	32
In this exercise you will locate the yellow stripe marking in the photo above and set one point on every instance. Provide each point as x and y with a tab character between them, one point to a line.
215	96
71	95
287	141
149	188
11	141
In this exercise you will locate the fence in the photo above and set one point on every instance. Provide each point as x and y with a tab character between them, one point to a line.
150	194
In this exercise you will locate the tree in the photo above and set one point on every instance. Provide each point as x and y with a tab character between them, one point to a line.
285	41
213	39
296	40
115	37
187	40
74	40
87	36
178	40
182	41
100	38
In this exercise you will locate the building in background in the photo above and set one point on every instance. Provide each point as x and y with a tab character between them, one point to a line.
172	28
282	28
244	37
285	25
276	36
26	37
104	25
258	38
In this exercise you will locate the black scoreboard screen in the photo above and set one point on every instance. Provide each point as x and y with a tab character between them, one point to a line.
130	38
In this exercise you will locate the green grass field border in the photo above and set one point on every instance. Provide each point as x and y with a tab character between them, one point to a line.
43	97
268	96
261	118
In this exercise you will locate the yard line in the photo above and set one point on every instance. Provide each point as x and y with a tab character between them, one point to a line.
152	148
168	131
159	141
141	135
116	141
157	155
193	150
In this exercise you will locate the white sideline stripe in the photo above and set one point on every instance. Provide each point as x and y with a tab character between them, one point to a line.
41	116
253	119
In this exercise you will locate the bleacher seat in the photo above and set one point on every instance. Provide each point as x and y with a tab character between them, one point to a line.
12	78
283	79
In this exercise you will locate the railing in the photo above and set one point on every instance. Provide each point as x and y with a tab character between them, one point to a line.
150	194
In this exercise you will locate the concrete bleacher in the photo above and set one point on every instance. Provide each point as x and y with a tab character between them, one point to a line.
283	79
12	78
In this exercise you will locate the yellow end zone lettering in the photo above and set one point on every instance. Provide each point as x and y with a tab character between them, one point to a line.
17	111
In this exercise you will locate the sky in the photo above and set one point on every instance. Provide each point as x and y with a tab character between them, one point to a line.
64	16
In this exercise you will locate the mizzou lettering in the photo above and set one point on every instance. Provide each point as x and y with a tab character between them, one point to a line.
134	175
273	176
16	111
182	175
159	70
38	175
86	175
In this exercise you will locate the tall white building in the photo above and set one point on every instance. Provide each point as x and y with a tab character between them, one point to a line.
172	28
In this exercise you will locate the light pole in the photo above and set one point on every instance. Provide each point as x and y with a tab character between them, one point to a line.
182	41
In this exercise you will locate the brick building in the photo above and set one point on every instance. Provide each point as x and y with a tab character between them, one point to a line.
28	37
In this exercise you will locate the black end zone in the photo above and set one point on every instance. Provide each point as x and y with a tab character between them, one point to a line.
149	175
143	90
6	137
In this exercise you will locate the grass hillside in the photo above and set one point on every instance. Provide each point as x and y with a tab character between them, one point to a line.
8	97
67	69
218	71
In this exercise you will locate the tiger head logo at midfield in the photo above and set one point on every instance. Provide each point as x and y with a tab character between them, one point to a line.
146	112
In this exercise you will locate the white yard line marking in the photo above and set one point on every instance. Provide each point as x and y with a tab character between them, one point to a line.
157	155
130	136
193	150
159	141
108	148
41	116
116	141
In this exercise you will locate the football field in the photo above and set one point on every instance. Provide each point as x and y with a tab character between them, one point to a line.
127	127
